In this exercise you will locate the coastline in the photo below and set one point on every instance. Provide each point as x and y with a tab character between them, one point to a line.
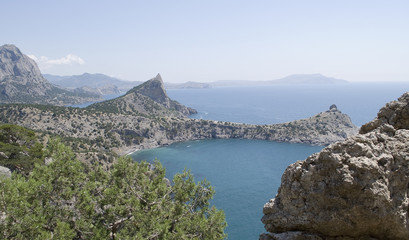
132	152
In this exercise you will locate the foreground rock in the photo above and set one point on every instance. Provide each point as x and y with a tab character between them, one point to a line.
5	172
356	189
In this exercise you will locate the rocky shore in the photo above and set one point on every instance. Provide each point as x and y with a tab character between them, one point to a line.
322	129
355	189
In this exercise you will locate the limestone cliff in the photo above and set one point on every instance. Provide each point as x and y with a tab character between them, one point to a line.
355	189
21	82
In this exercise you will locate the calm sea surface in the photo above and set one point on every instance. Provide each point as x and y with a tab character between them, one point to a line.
247	173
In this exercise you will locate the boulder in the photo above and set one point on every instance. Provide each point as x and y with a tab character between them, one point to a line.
5	172
355	189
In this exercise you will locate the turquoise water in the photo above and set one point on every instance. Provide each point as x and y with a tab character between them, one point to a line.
245	174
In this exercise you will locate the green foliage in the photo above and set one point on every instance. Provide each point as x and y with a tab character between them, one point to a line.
19	148
66	200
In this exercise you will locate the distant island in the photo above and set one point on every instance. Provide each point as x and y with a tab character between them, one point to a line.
292	79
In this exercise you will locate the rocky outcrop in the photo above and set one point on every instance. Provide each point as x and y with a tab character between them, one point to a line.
16	69
21	82
355	189
149	99
155	90
321	129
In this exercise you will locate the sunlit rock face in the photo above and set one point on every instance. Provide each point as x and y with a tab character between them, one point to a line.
355	189
19	71
22	82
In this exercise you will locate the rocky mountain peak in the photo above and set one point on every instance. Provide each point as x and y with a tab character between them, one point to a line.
159	77
154	89
149	98
15	64
354	189
22	82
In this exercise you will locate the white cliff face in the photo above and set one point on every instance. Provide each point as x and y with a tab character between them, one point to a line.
357	188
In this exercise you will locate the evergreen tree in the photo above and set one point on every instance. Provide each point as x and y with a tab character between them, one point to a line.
19	148
66	200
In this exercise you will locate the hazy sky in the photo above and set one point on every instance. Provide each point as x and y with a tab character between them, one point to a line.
208	40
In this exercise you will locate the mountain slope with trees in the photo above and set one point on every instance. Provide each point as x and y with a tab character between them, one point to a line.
20	149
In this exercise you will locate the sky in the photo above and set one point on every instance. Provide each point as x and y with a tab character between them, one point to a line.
209	40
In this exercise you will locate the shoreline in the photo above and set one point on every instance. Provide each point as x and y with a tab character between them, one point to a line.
132	152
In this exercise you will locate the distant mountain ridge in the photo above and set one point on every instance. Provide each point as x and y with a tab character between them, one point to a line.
21	82
93	82
107	85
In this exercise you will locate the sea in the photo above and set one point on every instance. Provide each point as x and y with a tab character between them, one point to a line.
246	174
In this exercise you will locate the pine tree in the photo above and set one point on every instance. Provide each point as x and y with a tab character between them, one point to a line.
67	200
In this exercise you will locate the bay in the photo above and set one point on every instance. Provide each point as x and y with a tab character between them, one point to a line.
244	173
247	173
